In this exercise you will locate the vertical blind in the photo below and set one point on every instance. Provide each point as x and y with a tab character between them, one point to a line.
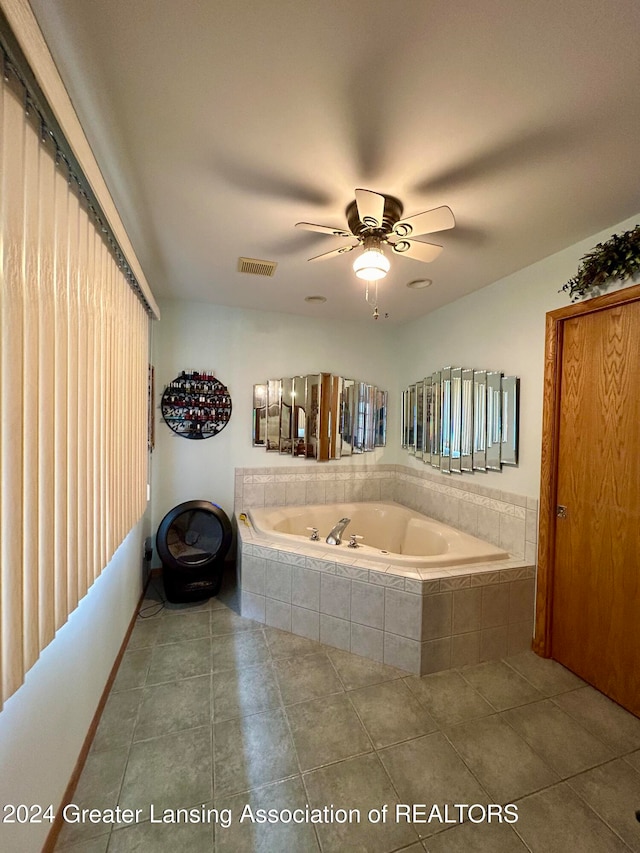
73	389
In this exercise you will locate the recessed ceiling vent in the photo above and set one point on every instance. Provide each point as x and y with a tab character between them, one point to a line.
254	266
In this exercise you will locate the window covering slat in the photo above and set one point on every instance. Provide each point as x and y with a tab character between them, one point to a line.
73	392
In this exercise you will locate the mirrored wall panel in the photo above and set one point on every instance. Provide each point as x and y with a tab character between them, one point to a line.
260	415
494	420
510	413
461	420
320	416
466	418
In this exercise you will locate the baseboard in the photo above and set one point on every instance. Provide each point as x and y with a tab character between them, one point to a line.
57	825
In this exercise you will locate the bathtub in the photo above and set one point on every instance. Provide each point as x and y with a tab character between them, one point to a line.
391	534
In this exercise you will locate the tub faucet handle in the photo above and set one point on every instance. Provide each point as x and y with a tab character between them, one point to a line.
353	540
314	534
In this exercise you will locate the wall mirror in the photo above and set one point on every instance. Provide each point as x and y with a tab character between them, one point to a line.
435	425
462	420
466	429
494	420
319	416
479	420
299	420
510	407
274	388
456	420
411	434
419	419
426	412
445	420
260	415
286	416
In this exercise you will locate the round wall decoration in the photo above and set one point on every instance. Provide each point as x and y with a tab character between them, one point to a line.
196	405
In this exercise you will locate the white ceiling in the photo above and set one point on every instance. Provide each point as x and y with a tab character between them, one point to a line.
219	124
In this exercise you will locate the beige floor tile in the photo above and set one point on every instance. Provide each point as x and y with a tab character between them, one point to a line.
326	730
557	738
356	671
244	691
500	685
448	697
252	751
500	759
546	675
476	838
390	713
174	706
613	792
557	820
306	677
360	784
607	721
429	769
280	836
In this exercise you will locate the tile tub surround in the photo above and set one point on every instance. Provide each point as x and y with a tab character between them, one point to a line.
502	518
418	621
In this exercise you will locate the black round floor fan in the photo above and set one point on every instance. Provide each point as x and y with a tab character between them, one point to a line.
193	540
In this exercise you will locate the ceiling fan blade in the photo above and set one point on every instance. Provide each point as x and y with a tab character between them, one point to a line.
324	229
370	208
428	222
417	250
341	251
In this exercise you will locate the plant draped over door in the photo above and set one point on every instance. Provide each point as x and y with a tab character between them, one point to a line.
616	260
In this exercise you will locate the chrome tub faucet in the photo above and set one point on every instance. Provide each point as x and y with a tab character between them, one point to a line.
335	536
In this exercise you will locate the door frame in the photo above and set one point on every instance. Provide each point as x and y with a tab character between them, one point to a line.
552	396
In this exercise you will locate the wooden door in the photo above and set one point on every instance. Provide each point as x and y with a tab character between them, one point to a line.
593	576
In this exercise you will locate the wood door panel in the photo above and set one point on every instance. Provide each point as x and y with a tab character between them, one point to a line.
596	579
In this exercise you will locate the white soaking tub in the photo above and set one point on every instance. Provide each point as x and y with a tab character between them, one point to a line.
391	534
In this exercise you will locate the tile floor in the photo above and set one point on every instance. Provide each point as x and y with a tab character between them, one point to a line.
213	711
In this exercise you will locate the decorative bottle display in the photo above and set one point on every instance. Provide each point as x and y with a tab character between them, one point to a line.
196	404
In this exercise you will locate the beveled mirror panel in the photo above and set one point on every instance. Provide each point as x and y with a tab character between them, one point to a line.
348	416
456	420
419	419
494	420
434	430
480	420
299	427
426	421
314	390
260	415
445	420
510	420
381	418
411	435
274	390
406	396
286	416
370	418
466	432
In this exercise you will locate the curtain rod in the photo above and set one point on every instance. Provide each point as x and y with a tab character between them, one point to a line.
15	62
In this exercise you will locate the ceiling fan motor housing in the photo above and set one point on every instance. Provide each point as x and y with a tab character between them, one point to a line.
392	213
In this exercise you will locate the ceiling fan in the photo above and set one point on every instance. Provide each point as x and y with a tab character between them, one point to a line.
375	219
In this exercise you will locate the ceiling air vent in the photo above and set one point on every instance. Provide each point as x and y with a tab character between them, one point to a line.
254	266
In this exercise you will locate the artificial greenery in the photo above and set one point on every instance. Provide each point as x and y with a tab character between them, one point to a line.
617	259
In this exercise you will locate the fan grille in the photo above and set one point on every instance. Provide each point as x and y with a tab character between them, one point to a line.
254	266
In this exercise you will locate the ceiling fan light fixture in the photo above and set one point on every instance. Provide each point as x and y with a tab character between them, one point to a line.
371	265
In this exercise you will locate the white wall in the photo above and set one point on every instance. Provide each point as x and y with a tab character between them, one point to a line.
242	348
44	724
501	327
